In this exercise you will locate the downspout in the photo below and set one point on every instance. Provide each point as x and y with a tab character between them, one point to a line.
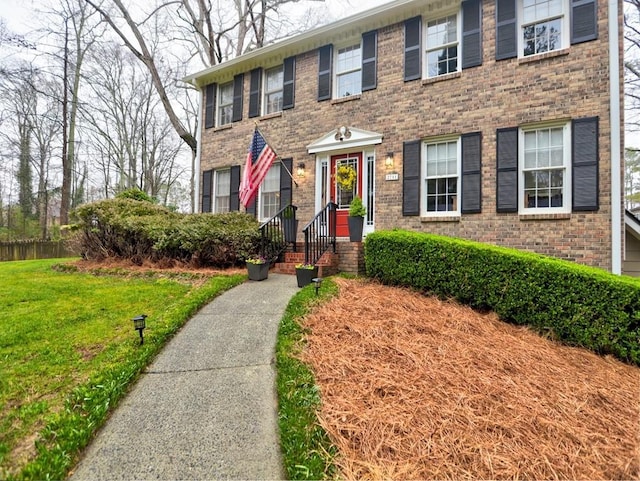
196	185
614	121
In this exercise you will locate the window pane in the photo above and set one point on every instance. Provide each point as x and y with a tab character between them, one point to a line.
222	190
349	59
225	109
349	84
441	32
270	193
274	79
274	102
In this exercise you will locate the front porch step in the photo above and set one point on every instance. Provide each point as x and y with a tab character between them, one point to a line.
349	258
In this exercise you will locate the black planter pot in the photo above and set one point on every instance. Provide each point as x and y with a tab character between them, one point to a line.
355	228
290	227
258	272
304	276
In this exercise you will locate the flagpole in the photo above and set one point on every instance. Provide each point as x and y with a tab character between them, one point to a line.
278	156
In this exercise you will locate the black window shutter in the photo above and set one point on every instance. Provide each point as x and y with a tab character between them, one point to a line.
585	163
411	178
324	72
207	184
507	182
584	21
471	173
369	60
234	190
255	92
286	194
471	33
506	29
412	50
210	106
289	82
238	85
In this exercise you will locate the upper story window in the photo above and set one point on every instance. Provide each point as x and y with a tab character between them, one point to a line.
273	89
348	71
225	103
442	46
530	27
543	28
222	190
545	169
441	167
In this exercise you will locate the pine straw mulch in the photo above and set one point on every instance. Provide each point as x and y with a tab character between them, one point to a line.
416	388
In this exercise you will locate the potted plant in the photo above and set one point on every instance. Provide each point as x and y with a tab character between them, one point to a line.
356	219
258	268
289	223
305	273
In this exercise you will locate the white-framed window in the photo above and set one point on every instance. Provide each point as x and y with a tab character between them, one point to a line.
348	71
221	190
441	177
544	161
543	26
225	103
273	87
269	198
442	41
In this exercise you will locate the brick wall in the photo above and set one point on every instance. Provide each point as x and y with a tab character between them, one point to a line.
561	85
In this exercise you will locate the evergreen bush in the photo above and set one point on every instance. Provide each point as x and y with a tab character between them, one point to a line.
140	230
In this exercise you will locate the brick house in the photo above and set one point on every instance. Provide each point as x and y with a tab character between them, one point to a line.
492	120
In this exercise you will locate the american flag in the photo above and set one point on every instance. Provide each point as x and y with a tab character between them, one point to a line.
259	159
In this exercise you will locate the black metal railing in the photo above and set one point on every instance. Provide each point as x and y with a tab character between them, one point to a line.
320	234
278	232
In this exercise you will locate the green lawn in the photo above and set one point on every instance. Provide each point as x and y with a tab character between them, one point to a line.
68	352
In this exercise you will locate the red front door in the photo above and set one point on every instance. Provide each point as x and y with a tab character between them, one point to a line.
346	183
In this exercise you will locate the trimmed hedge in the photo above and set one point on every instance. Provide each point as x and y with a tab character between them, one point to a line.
579	305
139	230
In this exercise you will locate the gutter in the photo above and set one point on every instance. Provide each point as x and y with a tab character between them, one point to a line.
197	162
615	139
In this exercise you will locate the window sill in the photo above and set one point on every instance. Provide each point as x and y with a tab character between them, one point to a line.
558	216
543	56
441	78
273	115
342	100
440	218
222	127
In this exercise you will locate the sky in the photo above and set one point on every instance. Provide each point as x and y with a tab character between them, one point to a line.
17	12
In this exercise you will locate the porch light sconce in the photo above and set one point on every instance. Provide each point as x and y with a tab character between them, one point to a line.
301	167
388	161
139	324
317	282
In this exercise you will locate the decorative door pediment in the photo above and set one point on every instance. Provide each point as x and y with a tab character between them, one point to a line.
344	137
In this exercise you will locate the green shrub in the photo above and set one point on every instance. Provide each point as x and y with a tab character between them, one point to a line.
578	305
135	194
140	230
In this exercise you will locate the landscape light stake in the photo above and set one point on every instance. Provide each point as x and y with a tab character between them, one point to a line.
317	281
139	324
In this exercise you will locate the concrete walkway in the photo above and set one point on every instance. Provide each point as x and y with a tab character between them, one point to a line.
206	408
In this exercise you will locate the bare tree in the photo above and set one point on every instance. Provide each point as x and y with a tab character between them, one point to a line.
129	130
212	34
632	63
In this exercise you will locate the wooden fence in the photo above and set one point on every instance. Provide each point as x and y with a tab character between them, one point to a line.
33	249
